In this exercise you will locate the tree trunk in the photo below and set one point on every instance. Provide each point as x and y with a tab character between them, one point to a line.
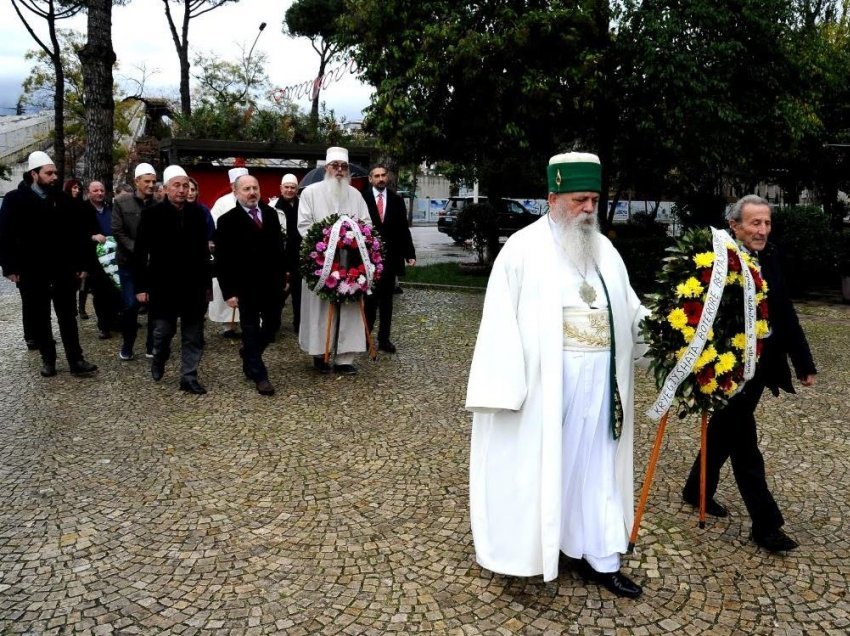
604	115
317	87
183	54
58	100
97	58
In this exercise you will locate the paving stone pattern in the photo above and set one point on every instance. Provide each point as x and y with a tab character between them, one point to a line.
339	506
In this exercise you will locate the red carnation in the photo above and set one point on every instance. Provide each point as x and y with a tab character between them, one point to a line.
757	279
725	381
759	346
706	375
762	310
734	261
693	308
705	275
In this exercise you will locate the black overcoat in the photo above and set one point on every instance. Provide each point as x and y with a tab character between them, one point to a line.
393	230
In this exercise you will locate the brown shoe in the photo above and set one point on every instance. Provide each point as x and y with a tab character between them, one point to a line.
264	387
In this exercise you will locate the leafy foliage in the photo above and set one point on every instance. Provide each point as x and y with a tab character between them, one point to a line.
807	246
478	221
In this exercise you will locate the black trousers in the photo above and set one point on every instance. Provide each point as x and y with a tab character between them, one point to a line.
379	304
27	311
106	297
260	322
37	295
732	435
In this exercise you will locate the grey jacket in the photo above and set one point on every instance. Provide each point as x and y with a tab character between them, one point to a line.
126	214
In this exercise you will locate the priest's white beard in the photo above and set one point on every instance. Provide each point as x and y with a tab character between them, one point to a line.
338	187
578	237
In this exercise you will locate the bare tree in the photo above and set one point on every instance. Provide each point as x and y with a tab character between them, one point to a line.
191	10
51	11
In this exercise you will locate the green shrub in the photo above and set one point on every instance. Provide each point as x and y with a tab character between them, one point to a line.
641	243
480	223
807	247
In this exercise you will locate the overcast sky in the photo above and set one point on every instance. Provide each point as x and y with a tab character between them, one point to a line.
140	36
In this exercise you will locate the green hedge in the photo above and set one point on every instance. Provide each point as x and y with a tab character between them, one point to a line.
642	245
808	247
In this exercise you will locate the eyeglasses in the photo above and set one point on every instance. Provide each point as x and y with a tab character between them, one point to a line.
338	165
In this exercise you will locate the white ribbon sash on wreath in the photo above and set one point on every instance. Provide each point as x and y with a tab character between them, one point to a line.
330	253
106	257
720	241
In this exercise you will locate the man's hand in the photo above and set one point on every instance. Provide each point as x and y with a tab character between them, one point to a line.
98	238
809	380
142	297
411	262
232	302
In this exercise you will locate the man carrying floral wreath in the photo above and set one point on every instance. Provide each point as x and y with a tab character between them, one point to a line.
732	429
334	195
551	387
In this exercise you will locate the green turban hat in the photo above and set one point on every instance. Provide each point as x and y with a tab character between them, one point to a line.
575	172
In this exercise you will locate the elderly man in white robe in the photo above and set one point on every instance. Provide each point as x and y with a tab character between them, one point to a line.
551	389
333	195
218	310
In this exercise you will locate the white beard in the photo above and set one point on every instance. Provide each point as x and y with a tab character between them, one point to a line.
338	188
579	238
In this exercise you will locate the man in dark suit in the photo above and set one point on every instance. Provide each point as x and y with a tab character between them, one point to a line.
389	218
43	251
287	205
732	430
172	273
251	268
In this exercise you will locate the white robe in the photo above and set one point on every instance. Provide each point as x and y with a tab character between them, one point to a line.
516	387
218	310
316	204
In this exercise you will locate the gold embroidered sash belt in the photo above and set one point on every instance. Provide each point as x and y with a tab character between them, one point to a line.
586	329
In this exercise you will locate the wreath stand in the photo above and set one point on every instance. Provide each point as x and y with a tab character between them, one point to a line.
334	315
650	473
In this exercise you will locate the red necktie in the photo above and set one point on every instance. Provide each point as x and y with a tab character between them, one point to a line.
255	214
380	203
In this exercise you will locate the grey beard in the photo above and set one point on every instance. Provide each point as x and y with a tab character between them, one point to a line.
579	237
337	187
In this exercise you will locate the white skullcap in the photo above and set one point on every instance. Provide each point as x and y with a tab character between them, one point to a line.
172	171
234	173
39	159
144	168
289	178
335	153
574	157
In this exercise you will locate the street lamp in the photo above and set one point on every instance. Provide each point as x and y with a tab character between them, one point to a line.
249	78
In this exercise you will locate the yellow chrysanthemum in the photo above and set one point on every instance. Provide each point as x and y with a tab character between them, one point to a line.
688	333
732	388
711	334
762	328
677	318
725	363
764	285
681	352
709	387
733	278
747	259
759	297
691	288
704	259
739	341
708	355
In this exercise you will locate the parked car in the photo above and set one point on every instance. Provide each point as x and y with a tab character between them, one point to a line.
515	216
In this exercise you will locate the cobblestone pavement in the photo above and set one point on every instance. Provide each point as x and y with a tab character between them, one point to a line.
339	506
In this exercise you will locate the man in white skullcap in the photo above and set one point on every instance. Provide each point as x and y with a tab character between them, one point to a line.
172	274
126	214
334	195
551	387
44	251
218	310
287	211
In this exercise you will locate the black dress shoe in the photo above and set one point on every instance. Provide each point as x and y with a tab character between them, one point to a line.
387	346
320	365
345	369
711	506
231	334
48	369
157	369
615	582
192	386
775	541
82	368
264	387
